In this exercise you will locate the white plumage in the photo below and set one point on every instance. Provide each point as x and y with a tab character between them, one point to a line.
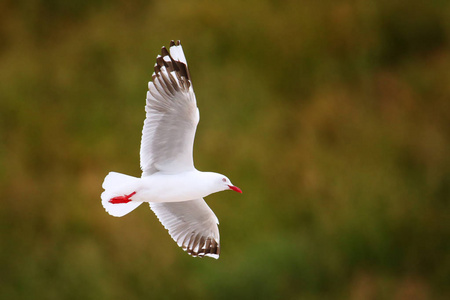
170	182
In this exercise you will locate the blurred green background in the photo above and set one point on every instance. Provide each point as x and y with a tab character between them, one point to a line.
332	116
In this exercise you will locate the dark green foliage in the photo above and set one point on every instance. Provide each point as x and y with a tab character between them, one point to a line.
332	116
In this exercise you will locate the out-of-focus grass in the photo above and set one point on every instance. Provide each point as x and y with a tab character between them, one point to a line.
333	117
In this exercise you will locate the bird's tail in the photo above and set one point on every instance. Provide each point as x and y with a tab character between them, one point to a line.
117	185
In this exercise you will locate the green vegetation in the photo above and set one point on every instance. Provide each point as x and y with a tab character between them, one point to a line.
332	116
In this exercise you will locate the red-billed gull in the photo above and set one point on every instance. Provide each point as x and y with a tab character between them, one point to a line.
170	183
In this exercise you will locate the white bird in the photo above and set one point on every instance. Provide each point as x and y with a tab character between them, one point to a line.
170	183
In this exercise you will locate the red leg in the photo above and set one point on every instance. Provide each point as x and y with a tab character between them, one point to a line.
121	199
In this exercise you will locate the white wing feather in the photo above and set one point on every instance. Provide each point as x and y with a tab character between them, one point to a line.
192	225
171	116
167	142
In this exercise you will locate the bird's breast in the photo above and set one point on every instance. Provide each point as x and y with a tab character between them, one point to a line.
171	188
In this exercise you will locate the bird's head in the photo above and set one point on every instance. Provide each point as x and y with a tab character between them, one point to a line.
222	183
228	185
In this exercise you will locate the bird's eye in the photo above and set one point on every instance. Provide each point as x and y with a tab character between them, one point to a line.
224	179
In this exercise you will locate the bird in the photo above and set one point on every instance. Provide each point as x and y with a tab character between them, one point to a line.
170	183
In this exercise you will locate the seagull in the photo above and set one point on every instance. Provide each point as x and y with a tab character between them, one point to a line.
170	183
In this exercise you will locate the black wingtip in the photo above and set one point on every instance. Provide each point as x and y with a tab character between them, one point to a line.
173	43
180	68
160	61
164	51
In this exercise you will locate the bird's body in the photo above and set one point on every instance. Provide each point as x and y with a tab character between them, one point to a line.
164	187
170	182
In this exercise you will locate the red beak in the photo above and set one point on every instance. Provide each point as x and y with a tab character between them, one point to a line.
235	188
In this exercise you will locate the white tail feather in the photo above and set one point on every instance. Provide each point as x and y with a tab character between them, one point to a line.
116	184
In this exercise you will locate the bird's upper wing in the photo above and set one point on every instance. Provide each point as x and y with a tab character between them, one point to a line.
171	115
192	224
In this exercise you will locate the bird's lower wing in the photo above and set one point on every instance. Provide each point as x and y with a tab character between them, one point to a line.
192	225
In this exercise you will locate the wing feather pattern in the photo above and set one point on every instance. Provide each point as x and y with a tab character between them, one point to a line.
171	116
192	225
167	143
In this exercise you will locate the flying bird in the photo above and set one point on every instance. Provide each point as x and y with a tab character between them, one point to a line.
170	183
